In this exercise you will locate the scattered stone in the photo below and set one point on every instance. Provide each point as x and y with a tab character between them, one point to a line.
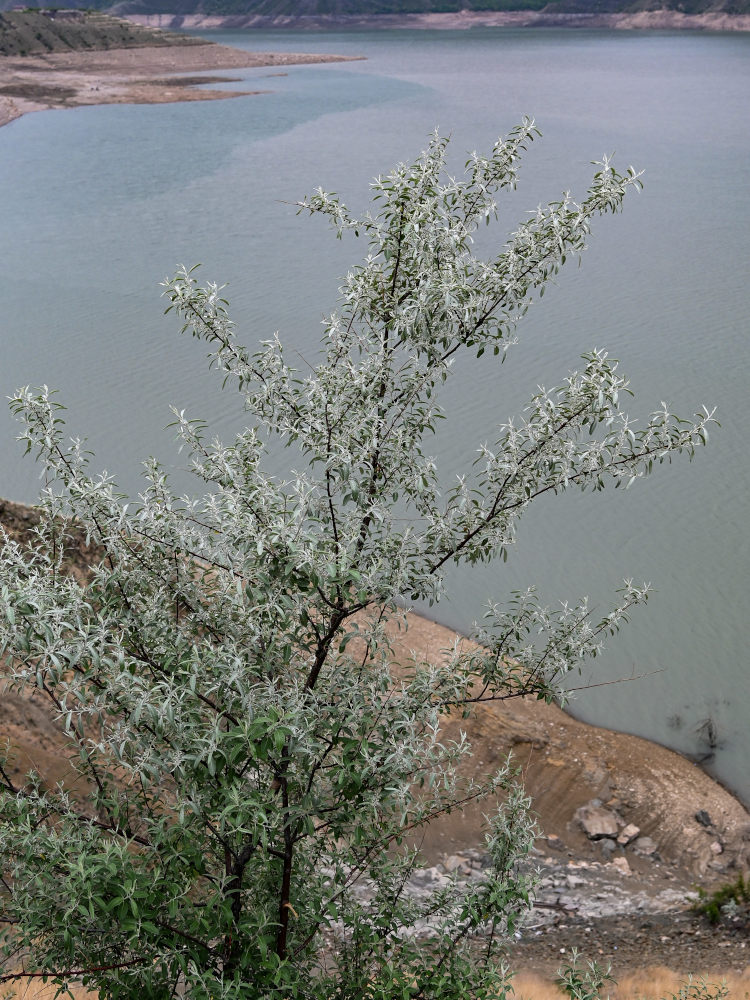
716	848
456	861
555	843
425	878
628	834
621	864
645	846
597	822
608	847
574	881
703	818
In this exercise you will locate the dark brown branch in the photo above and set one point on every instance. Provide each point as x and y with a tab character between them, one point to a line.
74	973
285	906
496	509
324	645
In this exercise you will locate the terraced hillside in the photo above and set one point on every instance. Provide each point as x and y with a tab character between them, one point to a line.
285	11
34	32
354	8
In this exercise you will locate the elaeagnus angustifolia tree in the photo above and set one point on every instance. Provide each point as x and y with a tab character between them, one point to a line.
253	762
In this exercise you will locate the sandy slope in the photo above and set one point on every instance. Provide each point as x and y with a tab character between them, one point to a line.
127	76
566	763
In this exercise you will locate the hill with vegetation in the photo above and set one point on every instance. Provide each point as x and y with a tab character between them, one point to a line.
344	9
35	32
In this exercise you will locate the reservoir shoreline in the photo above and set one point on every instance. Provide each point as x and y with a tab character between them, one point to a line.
106	202
147	75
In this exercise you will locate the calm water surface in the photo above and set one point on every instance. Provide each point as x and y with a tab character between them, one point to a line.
99	204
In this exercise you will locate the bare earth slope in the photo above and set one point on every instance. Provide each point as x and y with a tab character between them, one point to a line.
567	763
621	902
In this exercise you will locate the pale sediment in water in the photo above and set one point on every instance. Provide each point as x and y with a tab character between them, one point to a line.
128	76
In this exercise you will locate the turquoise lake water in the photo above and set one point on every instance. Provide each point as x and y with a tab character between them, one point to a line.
99	204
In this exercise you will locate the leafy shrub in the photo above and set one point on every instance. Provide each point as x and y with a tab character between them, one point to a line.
728	900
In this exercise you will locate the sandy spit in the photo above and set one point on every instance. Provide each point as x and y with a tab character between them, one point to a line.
152	75
641	20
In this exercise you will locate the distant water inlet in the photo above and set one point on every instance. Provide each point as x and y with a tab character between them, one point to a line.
101	203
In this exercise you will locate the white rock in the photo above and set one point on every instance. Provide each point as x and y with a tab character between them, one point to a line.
597	822
455	861
574	881
645	845
427	878
621	864
628	834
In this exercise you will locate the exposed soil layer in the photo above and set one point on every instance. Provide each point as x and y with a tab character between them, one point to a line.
127	76
652	924
567	763
681	941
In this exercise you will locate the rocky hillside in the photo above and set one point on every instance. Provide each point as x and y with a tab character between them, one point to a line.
30	32
317	13
601	794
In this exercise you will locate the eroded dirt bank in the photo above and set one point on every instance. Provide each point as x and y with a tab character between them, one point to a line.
567	765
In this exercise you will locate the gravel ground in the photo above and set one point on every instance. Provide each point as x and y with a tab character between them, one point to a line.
679	940
629	921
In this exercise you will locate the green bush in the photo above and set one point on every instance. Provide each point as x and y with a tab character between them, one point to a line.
727	898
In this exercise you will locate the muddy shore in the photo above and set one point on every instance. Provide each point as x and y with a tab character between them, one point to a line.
655	20
128	76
